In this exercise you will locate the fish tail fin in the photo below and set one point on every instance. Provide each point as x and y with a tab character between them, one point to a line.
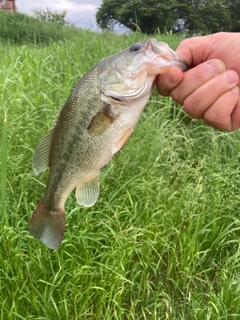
48	226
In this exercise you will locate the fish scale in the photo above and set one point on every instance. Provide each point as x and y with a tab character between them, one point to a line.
95	122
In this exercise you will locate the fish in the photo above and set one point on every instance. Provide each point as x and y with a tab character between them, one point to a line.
96	121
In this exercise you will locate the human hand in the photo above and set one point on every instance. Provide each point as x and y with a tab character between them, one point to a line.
210	88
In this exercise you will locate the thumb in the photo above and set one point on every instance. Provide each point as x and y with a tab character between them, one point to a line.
195	50
168	80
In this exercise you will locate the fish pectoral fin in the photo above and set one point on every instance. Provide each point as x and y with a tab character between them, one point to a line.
101	121
88	192
123	139
40	160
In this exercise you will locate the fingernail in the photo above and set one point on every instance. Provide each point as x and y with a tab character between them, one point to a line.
231	76
171	78
216	65
235	90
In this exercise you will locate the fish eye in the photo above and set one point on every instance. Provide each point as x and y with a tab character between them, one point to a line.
135	47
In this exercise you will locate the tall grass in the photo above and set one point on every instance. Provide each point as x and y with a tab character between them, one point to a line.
21	28
4	166
162	242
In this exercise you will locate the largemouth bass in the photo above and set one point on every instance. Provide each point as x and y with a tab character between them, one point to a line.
96	121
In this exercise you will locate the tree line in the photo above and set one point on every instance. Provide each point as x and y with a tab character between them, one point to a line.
191	16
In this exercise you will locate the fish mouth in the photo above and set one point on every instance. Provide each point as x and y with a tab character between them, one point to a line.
168	56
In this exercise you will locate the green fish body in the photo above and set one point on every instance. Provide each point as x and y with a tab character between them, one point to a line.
96	121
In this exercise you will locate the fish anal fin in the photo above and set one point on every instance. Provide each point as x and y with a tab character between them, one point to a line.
101	121
40	160
88	192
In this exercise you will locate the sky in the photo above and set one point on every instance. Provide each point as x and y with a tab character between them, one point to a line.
81	13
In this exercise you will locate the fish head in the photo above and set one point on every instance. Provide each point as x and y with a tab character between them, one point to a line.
130	74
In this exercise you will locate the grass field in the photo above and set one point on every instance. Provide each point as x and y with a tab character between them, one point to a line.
162	242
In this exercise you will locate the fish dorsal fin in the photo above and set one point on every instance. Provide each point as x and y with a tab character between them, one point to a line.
87	193
40	160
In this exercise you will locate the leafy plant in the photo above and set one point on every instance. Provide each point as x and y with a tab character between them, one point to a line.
48	15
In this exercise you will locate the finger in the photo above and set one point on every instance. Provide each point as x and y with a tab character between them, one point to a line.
235	117
196	50
215	46
168	80
196	77
208	93
221	114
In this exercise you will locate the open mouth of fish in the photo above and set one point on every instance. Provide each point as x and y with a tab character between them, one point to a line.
161	51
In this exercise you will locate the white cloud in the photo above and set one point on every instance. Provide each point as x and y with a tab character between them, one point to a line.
79	12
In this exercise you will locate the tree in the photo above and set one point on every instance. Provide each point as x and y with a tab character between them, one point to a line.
234	8
148	15
193	16
205	16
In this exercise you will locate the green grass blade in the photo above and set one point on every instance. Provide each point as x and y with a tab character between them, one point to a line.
4	167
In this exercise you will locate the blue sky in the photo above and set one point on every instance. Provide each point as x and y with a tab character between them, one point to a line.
79	12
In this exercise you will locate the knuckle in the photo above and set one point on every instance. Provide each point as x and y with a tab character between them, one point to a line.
188	106
220	124
177	96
